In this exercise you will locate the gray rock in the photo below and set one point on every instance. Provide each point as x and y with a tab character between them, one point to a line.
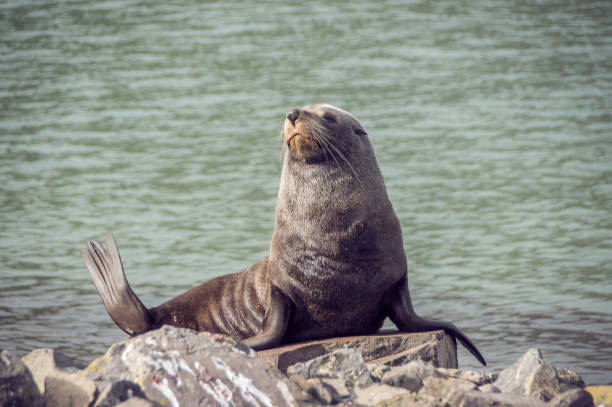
442	389
437	353
570	378
478	378
339	387
301	390
323	391
177	366
514	378
410	376
136	402
411	400
118	392
17	386
531	375
43	362
378	394
317	390
479	399
391	347
572	398
347	364
378	371
69	390
489	388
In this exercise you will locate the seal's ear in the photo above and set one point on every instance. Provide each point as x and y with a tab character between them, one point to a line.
361	131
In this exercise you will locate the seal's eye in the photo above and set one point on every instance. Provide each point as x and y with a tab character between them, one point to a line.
361	131
329	117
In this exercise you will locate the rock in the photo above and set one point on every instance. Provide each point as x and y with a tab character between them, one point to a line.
17	386
477	398
432	351
66	388
572	398
118	392
413	375
346	364
410	400
377	394
136	402
390	347
43	362
489	388
602	395
410	376
323	391
301	390
514	378
69	390
478	378
339	387
532	376
177	366
443	389
320	391
570	378
378	371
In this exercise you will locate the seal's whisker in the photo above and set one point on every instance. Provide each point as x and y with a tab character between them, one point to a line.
357	177
324	140
343	157
283	148
328	139
327	144
328	148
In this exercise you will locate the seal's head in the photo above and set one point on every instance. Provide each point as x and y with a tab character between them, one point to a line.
321	132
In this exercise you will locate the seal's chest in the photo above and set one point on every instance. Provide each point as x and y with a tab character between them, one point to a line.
338	315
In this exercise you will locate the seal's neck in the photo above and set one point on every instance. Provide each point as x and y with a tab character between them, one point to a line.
333	221
326	187
324	203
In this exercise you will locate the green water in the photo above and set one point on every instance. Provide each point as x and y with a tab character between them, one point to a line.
491	120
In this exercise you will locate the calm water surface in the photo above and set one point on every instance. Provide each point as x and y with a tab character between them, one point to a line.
492	123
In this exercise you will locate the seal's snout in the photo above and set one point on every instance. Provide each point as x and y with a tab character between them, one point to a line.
293	115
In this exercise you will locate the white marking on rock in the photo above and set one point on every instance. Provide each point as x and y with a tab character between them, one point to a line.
166	365
185	366
150	341
166	391
224	399
126	351
245	384
282	387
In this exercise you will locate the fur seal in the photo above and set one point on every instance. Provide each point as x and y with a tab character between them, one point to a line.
336	264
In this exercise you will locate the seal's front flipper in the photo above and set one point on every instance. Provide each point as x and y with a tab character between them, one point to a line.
402	313
275	324
106	270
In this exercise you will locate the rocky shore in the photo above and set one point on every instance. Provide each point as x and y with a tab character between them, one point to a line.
179	367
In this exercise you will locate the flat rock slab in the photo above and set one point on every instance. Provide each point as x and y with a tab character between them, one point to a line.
390	348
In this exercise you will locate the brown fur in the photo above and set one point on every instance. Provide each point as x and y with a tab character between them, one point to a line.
336	264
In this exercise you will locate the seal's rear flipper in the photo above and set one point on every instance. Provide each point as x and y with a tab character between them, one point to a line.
403	315
106	270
